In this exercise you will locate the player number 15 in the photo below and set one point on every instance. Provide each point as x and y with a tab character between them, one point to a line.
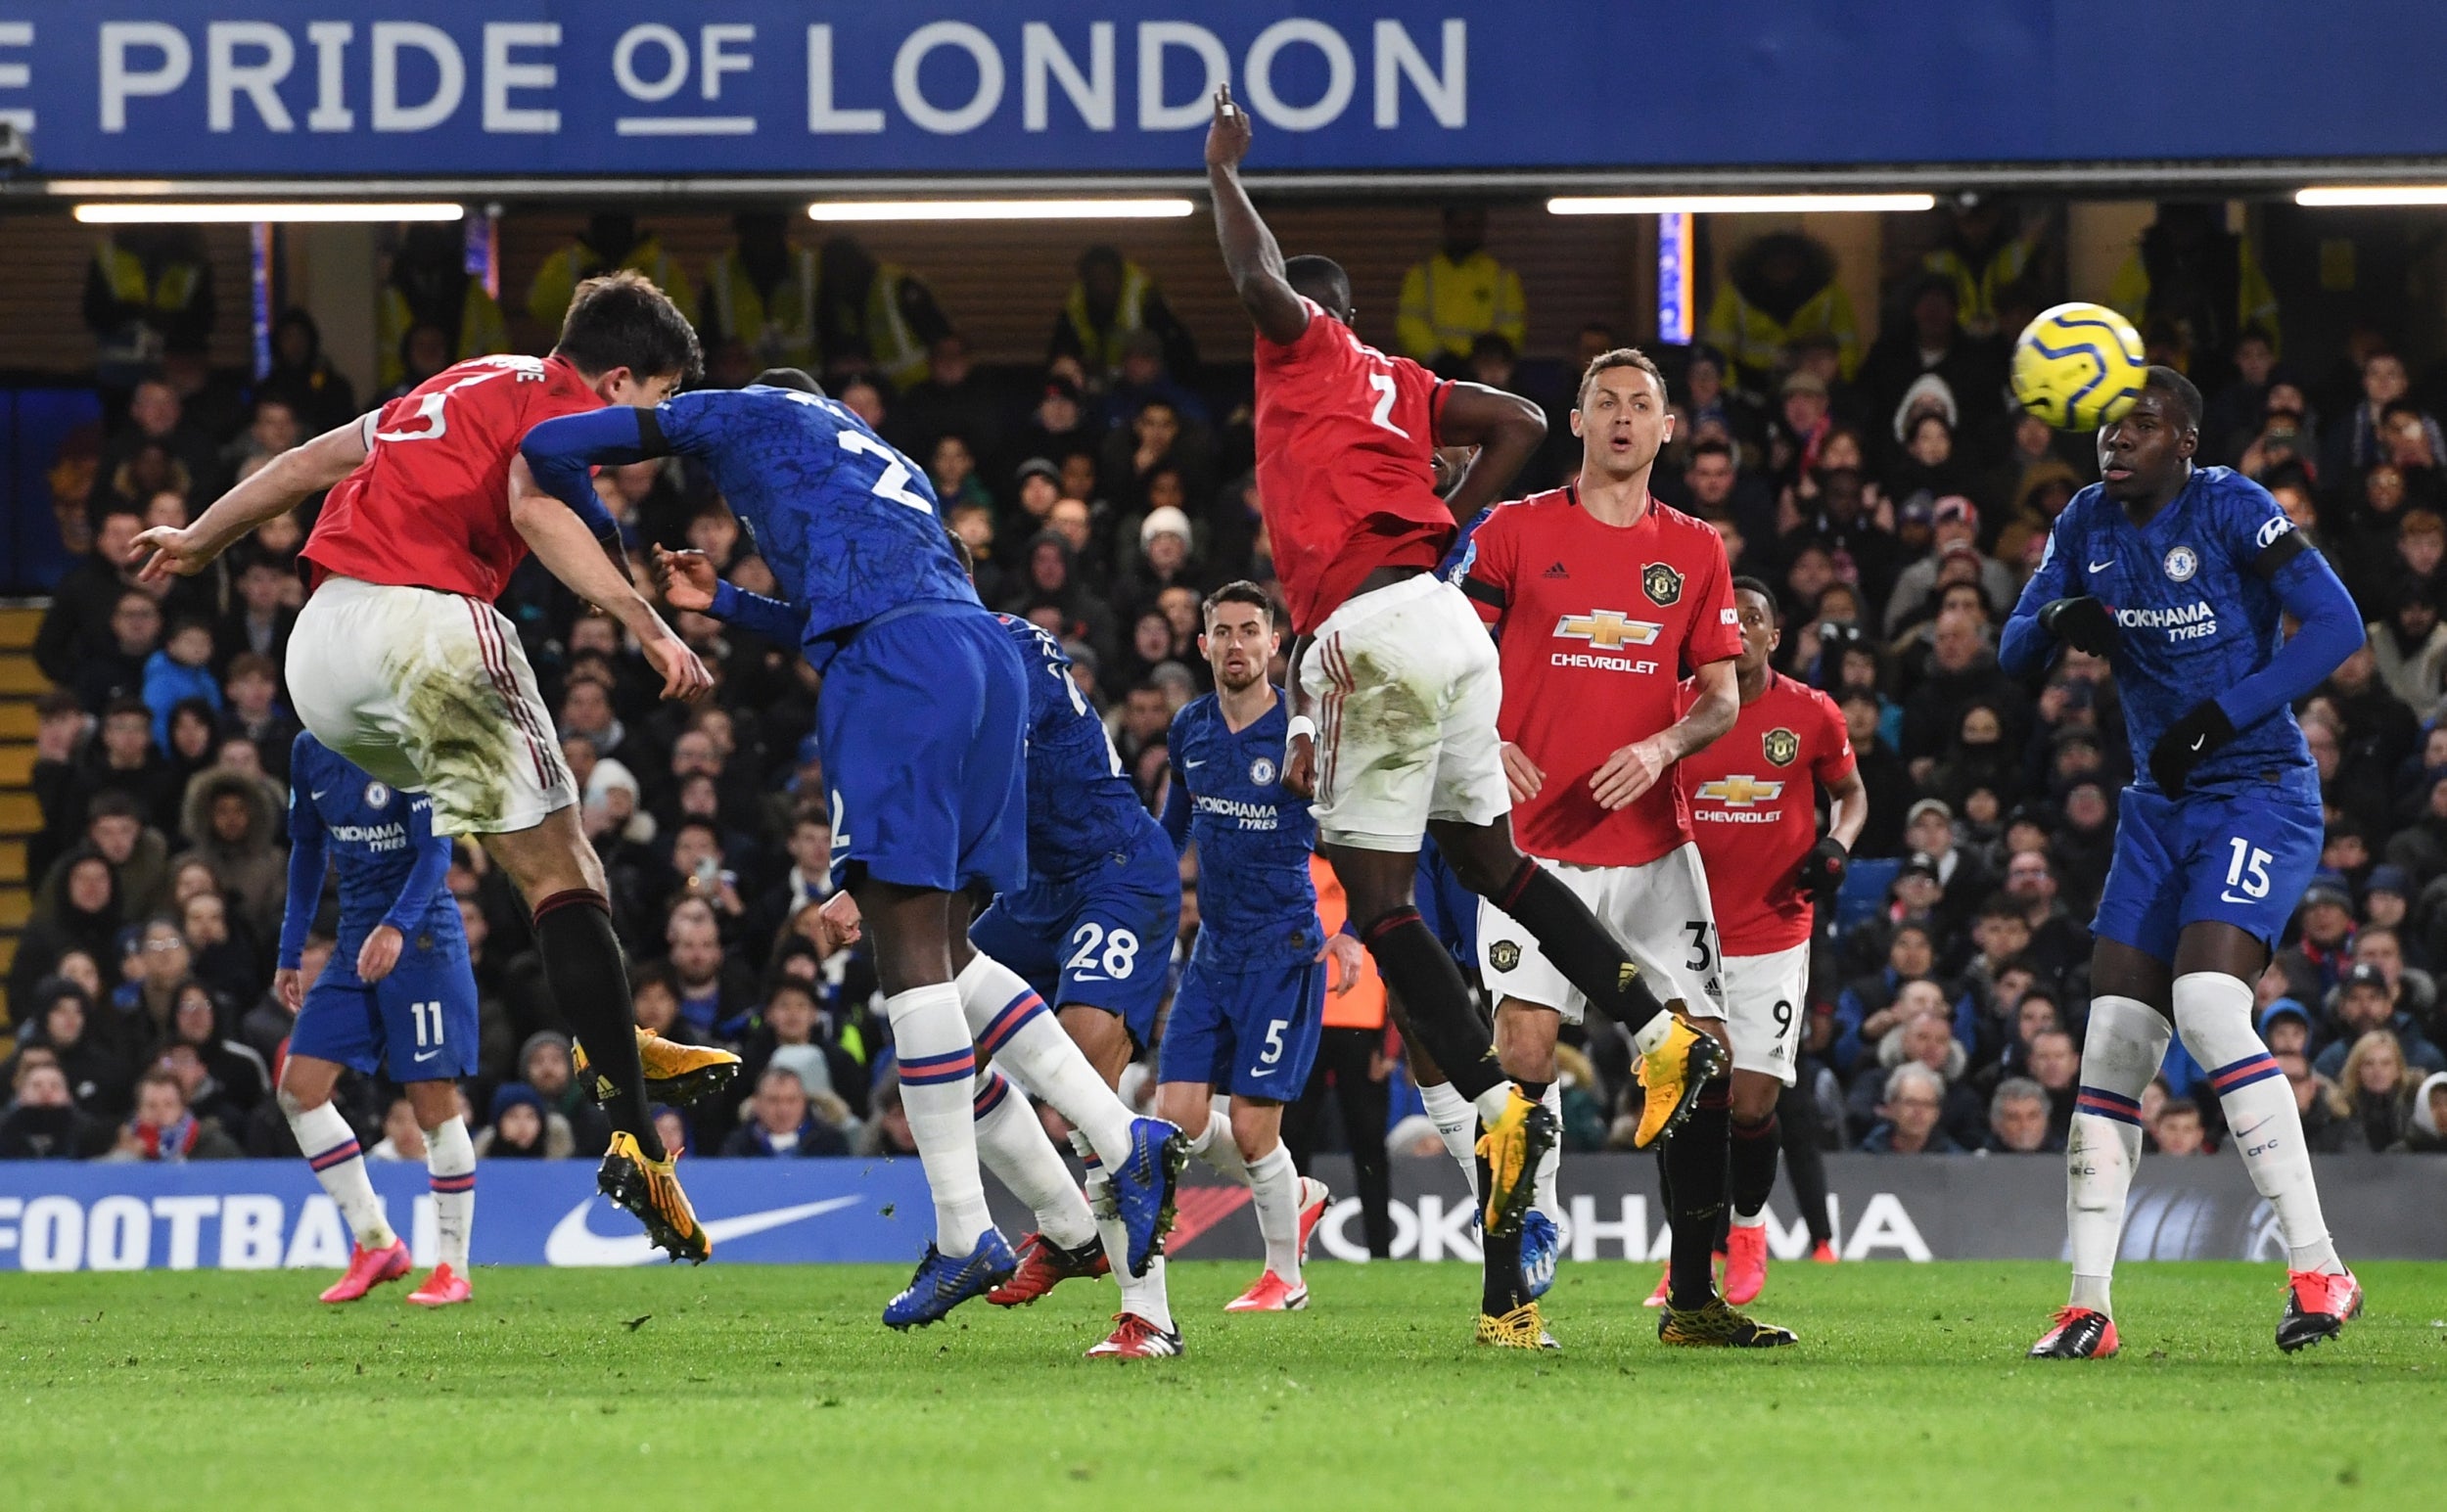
2250	869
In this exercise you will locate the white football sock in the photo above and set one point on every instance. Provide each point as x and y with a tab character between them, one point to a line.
1493	1102
1013	1144
1215	1146
1012	1024
938	1083
2127	1040
2213	1013
450	1162
1145	1296
1545	1200
1274	1191
330	1146
1457	1125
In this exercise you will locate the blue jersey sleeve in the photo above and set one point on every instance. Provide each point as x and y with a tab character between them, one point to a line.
562	453
776	620
2025	647
305	862
433	864
2262	539
1176	803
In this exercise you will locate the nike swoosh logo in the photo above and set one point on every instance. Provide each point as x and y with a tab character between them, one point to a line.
1269	1071
1192	766
425	1056
2199	741
2246	1133
2228	897
573	1243
2101	566
318	797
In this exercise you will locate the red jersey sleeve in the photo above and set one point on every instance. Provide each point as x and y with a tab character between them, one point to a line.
1487	567
1715	630
1834	761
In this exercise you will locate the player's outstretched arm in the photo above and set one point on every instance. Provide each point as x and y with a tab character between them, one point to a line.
277	487
570	553
563	452
1250	255
688	581
305	889
1507	431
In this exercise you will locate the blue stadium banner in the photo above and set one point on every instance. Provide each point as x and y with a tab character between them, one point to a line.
268	1214
151	88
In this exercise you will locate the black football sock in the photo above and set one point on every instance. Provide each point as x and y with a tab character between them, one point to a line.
1755	1147
589	983
1805	1164
1696	1161
1578	945
1500	1277
1415	964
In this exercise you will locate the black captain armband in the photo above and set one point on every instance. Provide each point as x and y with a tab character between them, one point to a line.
1486	592
650	436
2283	548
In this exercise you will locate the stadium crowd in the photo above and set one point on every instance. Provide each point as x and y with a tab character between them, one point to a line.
1891	493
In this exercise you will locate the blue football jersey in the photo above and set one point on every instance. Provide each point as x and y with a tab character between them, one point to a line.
1256	902
391	864
1081	808
2197	610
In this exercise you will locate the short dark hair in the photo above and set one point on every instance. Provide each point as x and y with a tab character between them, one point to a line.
1619	357
623	320
127	705
1747	584
790	378
960	549
114	803
2184	1106
1321	279
2175	385
1710	447
1239	591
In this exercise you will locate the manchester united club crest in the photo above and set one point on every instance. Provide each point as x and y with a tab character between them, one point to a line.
1503	955
1780	746
1661	583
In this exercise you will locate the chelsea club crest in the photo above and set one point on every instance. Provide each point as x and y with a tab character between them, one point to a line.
2182	561
377	795
1261	771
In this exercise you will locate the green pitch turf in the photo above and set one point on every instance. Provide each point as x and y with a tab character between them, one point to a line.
770	1388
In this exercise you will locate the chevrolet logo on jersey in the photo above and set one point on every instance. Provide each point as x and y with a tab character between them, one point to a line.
1606	628
1742	791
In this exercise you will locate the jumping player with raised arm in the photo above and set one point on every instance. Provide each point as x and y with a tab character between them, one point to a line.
2181	576
1397	692
923	724
398	997
399	662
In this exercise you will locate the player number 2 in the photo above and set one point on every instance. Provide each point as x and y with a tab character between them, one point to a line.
1383	414
1119	953
894	484
2250	869
423	1014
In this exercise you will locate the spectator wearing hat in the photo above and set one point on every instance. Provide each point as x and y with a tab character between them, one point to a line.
2426	1133
2315	965
1930	340
2367	1004
1035	488
518	1127
1962	878
1954	524
1164	560
2285	1026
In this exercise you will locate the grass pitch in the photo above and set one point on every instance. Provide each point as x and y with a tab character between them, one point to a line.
770	1387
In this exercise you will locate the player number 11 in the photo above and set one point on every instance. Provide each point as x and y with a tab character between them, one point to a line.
422	1012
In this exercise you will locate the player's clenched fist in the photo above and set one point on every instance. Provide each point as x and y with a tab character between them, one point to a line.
1227	138
686	578
1300	765
2084	623
838	924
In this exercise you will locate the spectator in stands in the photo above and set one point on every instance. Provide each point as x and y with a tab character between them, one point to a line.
717	993
302	377
1112	299
402	1139
2366	1005
2198	281
2358	439
2427	1133
82	913
874	316
1056	427
1954	524
781	1123
2017	1119
1457	295
761	294
149	288
42	1121
610	241
1925	1035
949	400
1051	595
228	966
2377	1092
259	621
2177	1128
1931	341
888	1131
118	670
430	288
519	1127
61	1017
544	1065
1908	1115
236	830
1868	1009
164	1129
2327	1125
1779	288
180	672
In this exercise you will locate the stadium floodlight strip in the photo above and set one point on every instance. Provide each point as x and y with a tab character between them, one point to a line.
1735	203
2345	195
193	213
1000	209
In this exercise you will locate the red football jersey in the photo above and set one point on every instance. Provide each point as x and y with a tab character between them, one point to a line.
1344	439
1754	806
1595	625
430	505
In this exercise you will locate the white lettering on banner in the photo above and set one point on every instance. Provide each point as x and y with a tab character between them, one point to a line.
1155	38
331	90
52	1235
449	76
10	1209
121	83
185	1216
424	1230
17	76
1041	55
715	59
1445	92
911	96
502	75
823	117
225	78
674	63
1885	1226
119	1235
1340	75
251	1227
1445	1233
319	1242
1631	1235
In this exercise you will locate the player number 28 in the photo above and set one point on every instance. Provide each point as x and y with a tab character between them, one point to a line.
423	1014
1120	951
2249	868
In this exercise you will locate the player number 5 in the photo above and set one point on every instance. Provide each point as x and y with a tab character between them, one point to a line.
2250	869
1273	1041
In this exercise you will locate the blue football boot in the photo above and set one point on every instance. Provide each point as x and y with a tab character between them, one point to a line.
943	1283
1143	1186
1540	1247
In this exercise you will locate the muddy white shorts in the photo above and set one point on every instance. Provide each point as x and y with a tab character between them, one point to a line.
429	691
1764	1009
1406	690
1658	912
